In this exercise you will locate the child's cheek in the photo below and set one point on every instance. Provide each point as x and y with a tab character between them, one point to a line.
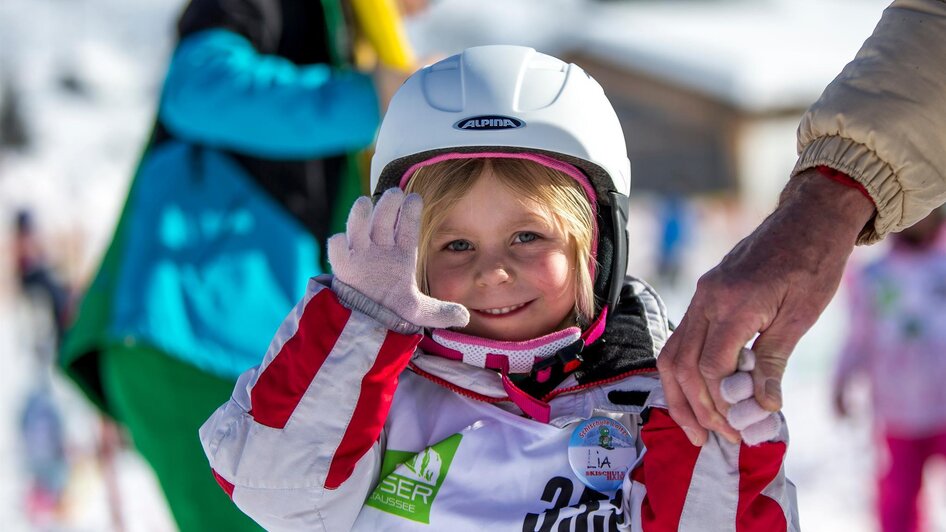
447	279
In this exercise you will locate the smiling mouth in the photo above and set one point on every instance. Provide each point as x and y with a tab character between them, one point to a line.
502	311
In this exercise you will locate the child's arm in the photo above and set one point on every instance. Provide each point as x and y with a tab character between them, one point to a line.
297	446
858	345
720	486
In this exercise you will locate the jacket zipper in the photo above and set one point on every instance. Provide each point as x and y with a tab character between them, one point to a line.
456	389
555	393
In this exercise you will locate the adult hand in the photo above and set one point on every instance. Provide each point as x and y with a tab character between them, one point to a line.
775	282
377	256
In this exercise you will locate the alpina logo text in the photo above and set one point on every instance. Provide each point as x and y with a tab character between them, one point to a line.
488	122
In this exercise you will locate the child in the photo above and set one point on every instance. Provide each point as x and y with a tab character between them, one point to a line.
898	341
479	361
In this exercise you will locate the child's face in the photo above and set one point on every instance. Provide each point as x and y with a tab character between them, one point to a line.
503	258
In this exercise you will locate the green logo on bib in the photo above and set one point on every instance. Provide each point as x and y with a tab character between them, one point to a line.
410	481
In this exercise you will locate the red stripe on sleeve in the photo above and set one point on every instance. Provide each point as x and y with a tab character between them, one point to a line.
758	466
284	381
667	469
227	487
374	403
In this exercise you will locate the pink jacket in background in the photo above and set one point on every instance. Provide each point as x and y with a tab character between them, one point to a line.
897	339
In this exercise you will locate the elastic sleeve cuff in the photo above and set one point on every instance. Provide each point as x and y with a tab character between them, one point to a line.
355	300
858	162
844	179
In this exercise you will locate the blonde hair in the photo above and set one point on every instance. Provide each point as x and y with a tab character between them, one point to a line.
442	184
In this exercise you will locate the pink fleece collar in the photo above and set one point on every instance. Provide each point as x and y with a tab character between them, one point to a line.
511	357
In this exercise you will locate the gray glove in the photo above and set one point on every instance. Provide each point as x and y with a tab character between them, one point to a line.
754	423
375	265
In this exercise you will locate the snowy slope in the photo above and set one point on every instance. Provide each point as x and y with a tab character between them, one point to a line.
87	139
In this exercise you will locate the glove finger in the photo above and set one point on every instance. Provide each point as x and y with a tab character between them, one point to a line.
426	311
446	315
746	360
384	218
737	387
408	223
745	413
766	430
339	255
358	223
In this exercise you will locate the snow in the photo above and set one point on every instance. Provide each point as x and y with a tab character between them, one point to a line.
86	142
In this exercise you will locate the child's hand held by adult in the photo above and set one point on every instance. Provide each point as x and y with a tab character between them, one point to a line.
754	423
377	256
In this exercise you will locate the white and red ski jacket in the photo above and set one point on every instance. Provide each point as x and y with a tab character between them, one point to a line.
347	425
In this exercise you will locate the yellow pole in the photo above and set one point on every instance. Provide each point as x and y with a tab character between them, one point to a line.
380	23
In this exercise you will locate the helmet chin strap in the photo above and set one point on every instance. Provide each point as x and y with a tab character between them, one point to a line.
538	356
619	208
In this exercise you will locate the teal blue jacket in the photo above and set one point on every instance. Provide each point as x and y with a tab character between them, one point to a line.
205	263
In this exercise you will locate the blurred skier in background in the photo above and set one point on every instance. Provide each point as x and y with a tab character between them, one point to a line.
675	222
41	430
252	162
34	273
897	341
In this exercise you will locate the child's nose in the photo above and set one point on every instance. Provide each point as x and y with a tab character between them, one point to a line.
492	274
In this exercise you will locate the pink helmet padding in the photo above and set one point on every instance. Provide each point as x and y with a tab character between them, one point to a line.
544	160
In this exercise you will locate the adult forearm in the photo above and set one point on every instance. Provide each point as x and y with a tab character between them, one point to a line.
822	211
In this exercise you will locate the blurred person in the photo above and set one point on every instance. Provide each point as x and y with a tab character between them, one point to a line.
41	430
252	163
871	163
675	226
35	274
42	436
480	360
897	341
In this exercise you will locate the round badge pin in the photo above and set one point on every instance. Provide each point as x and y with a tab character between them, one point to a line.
600	451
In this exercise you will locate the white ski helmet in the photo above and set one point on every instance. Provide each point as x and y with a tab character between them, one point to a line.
512	99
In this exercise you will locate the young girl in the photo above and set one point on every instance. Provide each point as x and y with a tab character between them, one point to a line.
897	341
479	361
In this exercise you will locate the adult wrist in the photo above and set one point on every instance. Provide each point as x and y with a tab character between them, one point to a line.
829	202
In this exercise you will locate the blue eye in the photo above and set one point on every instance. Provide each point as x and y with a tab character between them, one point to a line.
526	237
459	245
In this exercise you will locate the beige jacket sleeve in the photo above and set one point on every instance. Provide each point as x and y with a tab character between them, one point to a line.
882	121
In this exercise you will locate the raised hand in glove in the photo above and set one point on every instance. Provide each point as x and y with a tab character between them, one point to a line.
754	423
375	265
